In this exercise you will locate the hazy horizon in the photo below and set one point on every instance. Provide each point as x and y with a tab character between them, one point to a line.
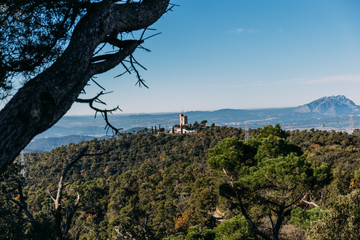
200	110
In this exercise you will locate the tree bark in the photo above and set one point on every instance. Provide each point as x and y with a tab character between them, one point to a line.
42	101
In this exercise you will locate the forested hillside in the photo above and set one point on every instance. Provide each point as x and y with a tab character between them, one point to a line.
207	185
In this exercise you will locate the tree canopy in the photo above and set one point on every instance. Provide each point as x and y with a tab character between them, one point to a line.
33	34
54	47
268	175
160	186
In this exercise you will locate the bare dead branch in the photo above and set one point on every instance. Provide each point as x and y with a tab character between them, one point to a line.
137	63
121	74
57	201
93	80
71	214
100	49
303	200
127	70
52	198
144	48
104	112
77	199
172	5
310	203
152	36
112	60
142	34
140	82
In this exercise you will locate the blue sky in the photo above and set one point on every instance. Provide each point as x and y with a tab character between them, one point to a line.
243	54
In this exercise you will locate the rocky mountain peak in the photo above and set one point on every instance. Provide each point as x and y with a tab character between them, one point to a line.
336	105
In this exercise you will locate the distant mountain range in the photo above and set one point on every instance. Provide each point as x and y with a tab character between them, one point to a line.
328	113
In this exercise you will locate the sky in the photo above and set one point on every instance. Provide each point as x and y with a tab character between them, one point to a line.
242	54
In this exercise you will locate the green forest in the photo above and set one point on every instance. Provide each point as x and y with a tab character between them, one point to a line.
209	185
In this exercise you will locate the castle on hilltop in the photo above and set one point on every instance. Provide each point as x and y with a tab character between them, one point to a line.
184	127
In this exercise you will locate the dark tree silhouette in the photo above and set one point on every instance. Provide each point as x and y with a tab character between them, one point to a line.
54	44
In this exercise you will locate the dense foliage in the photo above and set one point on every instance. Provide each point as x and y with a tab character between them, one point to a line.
34	33
161	186
266	174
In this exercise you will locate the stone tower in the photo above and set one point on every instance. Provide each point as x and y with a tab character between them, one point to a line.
183	120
